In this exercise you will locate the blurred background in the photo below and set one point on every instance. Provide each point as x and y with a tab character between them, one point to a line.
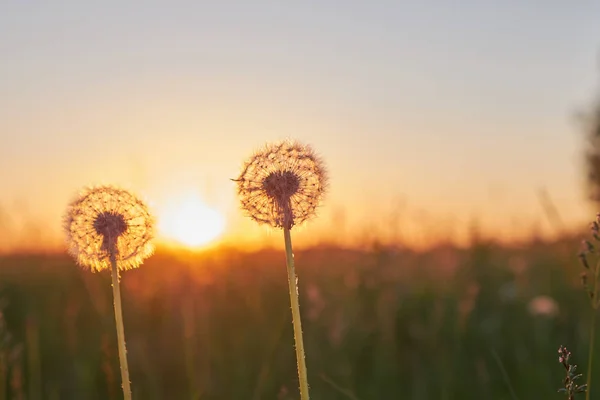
463	146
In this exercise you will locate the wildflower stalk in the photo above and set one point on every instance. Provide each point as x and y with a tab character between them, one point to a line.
592	330
120	329
591	354
571	389
293	286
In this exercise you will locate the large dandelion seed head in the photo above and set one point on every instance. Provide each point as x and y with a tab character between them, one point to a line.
105	221
282	184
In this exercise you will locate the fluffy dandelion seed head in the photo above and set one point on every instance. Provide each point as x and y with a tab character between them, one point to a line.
282	184
106	220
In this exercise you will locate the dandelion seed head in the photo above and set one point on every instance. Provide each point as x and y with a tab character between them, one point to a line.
110	224
282	184
104	220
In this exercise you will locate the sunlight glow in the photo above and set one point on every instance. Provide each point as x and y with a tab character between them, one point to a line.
191	222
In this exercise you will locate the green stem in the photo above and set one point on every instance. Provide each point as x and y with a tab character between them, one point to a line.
590	355
188	336
120	330
293	286
592	332
3	376
505	376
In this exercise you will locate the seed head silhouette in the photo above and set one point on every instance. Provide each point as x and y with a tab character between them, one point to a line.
282	184
105	222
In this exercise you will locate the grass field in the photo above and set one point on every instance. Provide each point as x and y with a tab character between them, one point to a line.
381	324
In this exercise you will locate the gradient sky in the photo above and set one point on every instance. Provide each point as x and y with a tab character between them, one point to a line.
456	110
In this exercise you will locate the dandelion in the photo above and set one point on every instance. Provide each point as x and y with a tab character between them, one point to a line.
110	228
105	222
282	185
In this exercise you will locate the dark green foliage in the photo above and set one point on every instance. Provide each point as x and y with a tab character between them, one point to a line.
446	324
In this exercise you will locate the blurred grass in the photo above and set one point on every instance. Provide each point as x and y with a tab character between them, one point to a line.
381	324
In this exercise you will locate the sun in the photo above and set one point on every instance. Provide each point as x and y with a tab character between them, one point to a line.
191	222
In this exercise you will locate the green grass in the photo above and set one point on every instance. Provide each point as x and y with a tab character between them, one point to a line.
381	324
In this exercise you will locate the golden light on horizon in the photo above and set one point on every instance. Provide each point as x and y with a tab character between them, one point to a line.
190	222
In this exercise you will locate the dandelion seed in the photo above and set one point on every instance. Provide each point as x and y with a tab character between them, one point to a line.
105	220
282	184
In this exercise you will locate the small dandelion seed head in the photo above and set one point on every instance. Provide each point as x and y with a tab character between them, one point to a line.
106	220
282	184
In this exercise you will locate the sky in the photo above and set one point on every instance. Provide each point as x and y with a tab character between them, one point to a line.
429	114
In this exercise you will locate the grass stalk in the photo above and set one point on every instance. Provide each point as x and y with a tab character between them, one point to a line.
293	287
32	334
505	376
188	316
592	331
3	376
591	352
126	385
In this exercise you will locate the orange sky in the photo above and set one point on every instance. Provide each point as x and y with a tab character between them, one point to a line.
424	115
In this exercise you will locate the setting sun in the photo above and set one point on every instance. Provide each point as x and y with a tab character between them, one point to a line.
191	222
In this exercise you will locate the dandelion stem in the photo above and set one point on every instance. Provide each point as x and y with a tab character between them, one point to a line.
120	330
293	286
592	331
